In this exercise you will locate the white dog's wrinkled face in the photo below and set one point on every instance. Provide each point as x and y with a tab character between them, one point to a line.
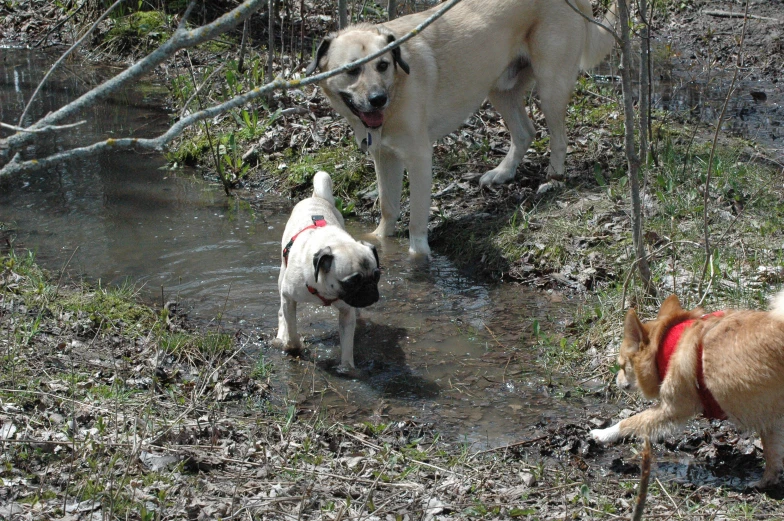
365	90
349	270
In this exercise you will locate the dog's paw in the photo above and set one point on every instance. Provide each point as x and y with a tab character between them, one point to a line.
608	435
549	186
496	177
418	247
769	479
346	371
290	347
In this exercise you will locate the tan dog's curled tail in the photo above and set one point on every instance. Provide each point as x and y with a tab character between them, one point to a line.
322	187
777	306
600	41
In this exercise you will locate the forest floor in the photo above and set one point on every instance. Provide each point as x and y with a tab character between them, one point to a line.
114	409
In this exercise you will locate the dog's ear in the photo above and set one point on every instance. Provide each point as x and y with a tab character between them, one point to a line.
634	334
670	306
374	250
322	260
397	56
323	48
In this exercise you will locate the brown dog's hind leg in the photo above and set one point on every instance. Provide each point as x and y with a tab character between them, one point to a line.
773	448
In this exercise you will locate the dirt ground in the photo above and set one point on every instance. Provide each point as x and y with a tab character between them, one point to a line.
217	460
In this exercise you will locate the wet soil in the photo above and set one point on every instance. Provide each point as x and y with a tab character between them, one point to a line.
693	463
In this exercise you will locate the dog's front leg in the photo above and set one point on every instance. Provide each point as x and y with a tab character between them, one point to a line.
287	325
347	322
420	180
654	422
389	175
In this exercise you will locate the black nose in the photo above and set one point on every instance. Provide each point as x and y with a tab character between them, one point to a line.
376	274
378	99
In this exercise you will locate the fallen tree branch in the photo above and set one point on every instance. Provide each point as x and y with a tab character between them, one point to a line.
16	165
181	39
738	14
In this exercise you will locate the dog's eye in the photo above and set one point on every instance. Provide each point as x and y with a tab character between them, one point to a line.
354	72
382	66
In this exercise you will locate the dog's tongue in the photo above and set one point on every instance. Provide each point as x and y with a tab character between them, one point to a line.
372	119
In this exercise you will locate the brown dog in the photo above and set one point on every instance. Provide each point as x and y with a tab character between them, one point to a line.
724	365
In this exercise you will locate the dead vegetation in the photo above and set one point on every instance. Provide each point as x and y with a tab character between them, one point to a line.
114	410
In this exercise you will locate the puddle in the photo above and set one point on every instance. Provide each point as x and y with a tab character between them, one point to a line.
685	86
437	347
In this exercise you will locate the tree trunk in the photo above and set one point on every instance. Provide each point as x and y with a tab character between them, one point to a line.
342	14
645	81
392	9
632	158
270	39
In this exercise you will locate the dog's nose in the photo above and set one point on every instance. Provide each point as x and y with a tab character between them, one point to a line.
376	274
377	99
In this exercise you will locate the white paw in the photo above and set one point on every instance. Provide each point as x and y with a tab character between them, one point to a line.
608	435
385	229
549	186
418	246
496	177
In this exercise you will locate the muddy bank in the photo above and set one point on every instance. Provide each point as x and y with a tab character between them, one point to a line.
181	427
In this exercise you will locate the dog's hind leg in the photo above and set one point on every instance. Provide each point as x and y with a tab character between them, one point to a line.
509	103
555	75
389	174
773	449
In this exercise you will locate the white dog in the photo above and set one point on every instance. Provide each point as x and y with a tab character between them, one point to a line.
322	264
402	102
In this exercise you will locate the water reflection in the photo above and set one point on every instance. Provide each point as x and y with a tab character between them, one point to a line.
423	350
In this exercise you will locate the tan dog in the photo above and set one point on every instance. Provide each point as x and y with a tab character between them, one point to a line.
323	264
399	104
724	365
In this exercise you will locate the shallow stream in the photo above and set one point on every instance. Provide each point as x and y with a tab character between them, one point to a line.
437	347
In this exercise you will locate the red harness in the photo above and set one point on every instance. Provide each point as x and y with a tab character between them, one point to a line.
318	222
710	407
325	301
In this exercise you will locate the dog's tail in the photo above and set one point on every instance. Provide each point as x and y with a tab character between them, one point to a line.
777	306
600	41
322	186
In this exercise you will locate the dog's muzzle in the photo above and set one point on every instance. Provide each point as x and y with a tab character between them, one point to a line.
373	118
359	290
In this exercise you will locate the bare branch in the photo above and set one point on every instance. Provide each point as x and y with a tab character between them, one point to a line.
181	39
16	165
44	129
600	24
719	123
64	56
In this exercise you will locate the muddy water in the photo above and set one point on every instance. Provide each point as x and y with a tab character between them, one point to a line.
436	348
755	109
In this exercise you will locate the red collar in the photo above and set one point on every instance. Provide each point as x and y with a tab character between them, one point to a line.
314	291
318	222
710	407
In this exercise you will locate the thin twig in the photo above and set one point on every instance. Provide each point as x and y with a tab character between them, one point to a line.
64	56
180	40
645	476
706	195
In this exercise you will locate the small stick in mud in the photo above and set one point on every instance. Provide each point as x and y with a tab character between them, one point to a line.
645	476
